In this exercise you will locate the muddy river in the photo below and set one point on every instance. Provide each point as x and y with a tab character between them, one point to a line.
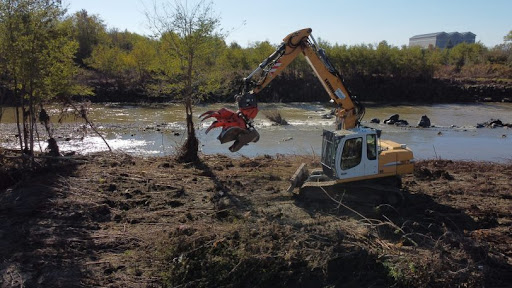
159	130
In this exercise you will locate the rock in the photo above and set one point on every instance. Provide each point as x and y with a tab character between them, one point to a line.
495	123
424	122
401	123
392	119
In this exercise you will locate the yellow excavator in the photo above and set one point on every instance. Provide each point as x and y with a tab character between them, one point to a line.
352	155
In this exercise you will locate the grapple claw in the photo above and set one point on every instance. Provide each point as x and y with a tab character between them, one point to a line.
215	124
234	126
207	114
244	138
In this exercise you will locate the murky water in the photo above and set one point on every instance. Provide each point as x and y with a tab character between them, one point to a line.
159	130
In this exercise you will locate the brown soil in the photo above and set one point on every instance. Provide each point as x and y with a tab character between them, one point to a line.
113	220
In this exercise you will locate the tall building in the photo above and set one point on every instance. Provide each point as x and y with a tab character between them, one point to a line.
441	39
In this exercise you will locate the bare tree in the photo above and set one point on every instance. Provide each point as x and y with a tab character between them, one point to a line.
190	33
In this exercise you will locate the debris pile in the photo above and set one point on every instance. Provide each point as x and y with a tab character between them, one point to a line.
493	123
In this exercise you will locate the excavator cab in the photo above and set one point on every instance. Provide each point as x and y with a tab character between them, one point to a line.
348	154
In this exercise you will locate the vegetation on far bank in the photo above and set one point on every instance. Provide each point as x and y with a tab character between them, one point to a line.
122	66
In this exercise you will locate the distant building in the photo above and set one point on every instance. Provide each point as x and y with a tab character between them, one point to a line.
441	39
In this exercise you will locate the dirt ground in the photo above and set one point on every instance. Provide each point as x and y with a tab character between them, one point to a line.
113	220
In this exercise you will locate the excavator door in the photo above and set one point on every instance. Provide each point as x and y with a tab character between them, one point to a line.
349	154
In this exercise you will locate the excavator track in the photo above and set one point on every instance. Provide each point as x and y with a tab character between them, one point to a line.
366	192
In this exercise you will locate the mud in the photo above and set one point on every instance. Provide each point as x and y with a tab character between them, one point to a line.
114	220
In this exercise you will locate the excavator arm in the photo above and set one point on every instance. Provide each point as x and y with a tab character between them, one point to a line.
237	126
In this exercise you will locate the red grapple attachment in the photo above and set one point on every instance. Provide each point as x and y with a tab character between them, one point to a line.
240	136
236	126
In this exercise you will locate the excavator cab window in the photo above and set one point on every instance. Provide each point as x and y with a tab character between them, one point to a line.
352	153
371	146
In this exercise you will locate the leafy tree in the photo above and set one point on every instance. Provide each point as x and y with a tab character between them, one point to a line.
466	54
124	61
190	32
125	40
89	31
235	58
38	60
109	60
143	57
508	37
258	52
506	48
434	61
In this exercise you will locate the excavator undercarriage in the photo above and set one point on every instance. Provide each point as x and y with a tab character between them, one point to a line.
315	185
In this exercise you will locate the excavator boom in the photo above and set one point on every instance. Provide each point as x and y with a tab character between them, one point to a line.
348	113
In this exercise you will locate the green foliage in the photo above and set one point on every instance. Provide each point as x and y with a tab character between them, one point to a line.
38	53
143	58
508	37
236	58
259	51
188	56
88	31
466	54
190	46
110	60
38	48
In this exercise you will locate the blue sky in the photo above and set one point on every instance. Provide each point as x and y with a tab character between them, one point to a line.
349	22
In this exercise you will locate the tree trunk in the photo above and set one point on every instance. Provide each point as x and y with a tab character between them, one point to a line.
189	150
17	114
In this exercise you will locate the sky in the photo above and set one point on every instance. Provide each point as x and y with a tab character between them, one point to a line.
345	22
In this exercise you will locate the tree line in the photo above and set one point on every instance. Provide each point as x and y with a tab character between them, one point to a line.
136	66
87	58
140	67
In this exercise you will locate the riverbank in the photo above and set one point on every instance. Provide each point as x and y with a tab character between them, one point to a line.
289	88
371	88
114	220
